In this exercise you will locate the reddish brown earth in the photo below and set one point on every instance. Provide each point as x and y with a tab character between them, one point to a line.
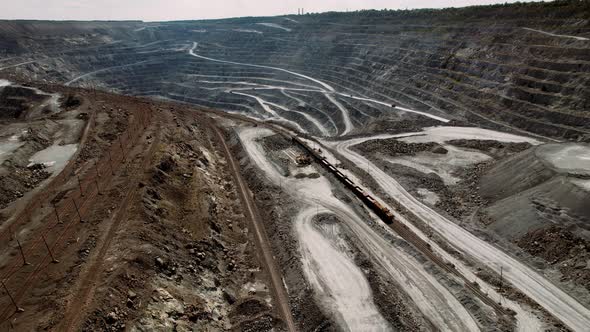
164	245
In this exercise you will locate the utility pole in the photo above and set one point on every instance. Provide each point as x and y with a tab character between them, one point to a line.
121	145
124	160
96	168
111	162
53	260
18	309
80	186
77	210
97	187
501	277
56	213
22	253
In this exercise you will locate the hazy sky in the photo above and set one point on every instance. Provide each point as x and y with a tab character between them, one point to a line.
158	10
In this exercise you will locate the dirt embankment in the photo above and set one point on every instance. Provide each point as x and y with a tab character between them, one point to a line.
23	135
185	260
41	288
164	246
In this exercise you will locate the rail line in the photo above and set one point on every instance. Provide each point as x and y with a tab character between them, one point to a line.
388	218
372	204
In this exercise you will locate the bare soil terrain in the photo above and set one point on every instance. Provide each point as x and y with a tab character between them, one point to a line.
163	244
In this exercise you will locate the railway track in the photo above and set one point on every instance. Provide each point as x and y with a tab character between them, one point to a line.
374	206
387	217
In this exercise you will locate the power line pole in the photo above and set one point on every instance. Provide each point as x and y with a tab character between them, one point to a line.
77	210
56	213
80	186
111	162
22	253
53	260
501	277
97	186
18	309
96	169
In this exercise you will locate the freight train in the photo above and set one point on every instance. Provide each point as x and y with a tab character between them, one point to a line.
369	201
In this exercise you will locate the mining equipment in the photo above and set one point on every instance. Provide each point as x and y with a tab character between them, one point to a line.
384	213
303	160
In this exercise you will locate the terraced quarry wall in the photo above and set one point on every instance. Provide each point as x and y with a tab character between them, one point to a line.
521	67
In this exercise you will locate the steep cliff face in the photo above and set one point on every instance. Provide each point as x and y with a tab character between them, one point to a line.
524	66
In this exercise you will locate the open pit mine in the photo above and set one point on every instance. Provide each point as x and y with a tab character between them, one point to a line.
414	170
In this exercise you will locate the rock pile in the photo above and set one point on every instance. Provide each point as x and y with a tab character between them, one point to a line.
561	248
392	147
498	149
414	124
19	181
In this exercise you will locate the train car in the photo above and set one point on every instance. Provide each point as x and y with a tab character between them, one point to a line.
359	190
383	212
390	218
369	201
